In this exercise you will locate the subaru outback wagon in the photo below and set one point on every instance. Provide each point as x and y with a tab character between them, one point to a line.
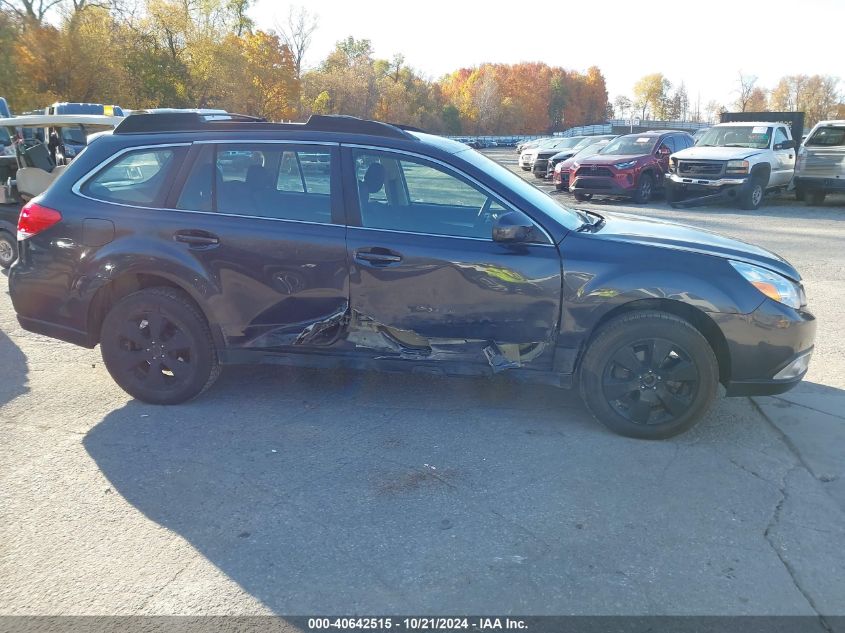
180	244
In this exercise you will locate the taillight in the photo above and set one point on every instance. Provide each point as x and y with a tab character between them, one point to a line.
34	218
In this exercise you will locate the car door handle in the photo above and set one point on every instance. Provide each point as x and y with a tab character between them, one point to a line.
197	239
378	256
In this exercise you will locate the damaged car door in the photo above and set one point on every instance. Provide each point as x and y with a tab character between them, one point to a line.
267	226
428	282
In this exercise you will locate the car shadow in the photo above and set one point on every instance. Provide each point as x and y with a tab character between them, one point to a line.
13	370
312	488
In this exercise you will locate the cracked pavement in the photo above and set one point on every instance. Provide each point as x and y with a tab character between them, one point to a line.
300	492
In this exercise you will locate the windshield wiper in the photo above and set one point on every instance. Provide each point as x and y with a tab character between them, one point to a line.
737	145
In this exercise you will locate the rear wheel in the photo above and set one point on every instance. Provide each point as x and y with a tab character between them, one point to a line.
582	197
559	186
158	347
815	198
8	250
649	375
645	189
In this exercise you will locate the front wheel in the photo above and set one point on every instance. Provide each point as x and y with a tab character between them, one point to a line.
815	198
157	346
753	196
649	375
8	250
645	189
582	197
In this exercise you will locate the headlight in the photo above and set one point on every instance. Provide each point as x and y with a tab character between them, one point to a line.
673	165
737	167
771	284
576	165
626	164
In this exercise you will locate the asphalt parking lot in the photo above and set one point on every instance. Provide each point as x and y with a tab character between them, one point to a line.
305	492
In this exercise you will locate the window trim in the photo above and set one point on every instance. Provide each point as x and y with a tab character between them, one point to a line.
449	168
92	173
76	188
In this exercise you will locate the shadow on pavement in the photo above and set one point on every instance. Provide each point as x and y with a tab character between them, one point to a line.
312	488
13	370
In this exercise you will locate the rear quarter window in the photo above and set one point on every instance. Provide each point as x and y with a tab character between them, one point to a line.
138	178
827	137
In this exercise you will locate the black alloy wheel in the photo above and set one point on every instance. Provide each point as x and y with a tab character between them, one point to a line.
158	347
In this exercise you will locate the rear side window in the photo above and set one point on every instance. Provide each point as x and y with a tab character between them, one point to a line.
262	180
139	178
827	137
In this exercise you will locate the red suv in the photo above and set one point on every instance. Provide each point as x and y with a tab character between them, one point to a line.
632	166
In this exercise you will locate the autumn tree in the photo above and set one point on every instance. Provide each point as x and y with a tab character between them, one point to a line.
817	96
651	95
745	91
297	33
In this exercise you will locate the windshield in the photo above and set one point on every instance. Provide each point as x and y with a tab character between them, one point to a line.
567	143
630	145
563	215
751	136
827	137
591	150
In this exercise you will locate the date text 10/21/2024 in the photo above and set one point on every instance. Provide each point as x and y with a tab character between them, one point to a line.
418	624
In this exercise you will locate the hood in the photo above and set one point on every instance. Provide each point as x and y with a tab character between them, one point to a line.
716	153
563	155
650	232
610	159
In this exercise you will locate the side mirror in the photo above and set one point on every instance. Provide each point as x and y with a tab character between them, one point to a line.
785	145
664	152
513	227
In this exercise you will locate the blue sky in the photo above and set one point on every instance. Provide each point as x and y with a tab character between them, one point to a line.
705	44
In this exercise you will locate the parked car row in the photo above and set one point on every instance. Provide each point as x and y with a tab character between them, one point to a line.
734	162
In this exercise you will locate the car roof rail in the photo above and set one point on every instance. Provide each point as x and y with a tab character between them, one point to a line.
354	125
197	121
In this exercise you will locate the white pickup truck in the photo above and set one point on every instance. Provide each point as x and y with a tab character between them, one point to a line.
738	162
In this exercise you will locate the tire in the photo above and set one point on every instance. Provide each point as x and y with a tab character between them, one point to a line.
559	186
582	197
815	198
8	249
613	392
752	197
645	188
167	321
673	194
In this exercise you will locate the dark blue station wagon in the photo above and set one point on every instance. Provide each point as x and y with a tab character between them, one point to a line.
182	244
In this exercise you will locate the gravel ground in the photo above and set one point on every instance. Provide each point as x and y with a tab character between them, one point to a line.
303	492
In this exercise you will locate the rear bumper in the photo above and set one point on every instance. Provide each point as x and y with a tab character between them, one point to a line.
768	348
825	185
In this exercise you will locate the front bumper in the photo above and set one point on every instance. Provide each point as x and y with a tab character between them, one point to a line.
709	185
767	348
601	185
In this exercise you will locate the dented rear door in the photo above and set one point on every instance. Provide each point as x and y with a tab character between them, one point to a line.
427	282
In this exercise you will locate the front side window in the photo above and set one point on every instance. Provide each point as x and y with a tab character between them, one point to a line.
405	194
780	136
264	180
140	178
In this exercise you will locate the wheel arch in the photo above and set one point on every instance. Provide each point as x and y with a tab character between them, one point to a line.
699	319
125	284
763	171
